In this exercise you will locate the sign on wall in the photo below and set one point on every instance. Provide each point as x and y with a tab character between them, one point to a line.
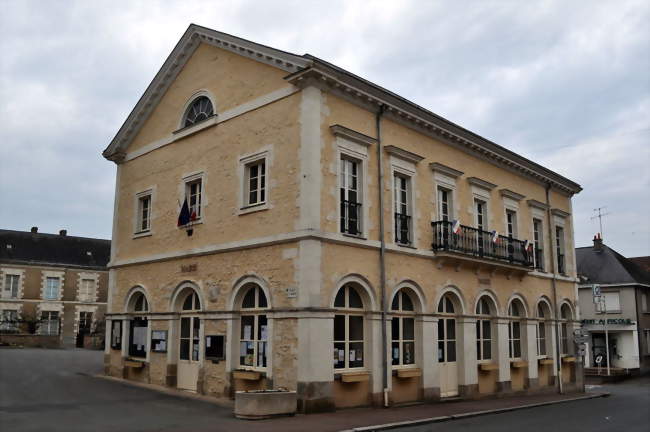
159	341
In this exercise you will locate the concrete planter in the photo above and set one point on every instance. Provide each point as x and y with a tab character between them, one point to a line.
262	404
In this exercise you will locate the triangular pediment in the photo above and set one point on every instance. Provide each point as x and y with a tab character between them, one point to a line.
180	55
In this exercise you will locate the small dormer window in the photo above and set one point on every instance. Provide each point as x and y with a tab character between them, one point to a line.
200	109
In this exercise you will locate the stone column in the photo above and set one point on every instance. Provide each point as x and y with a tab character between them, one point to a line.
429	359
315	366
374	364
503	356
579	366
466	351
553	350
530	354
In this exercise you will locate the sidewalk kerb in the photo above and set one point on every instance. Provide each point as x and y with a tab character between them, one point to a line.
416	422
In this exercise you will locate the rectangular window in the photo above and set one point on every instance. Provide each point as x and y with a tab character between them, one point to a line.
444	204
116	335
612	301
49	323
85	322
559	243
511	221
87	290
144	214
9	321
350	195
514	336
482	237
138	337
564	338
253	341
403	341
541	339
193	192
255	183
403	210
348	341
483	339
52	288
538	239
11	286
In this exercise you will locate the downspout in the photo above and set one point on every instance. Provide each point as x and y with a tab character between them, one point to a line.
558	360
382	255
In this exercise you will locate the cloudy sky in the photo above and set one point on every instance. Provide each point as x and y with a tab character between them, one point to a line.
566	84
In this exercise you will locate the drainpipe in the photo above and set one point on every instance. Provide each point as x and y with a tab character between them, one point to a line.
558	360
382	255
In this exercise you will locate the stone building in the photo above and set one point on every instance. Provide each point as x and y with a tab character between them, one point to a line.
56	282
281	222
626	289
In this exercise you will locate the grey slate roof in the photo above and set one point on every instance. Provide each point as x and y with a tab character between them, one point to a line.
608	267
24	247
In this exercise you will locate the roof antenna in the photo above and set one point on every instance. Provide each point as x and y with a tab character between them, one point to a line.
600	218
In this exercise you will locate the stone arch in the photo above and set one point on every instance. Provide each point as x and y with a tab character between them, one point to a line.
522	300
366	292
564	305
130	298
545	302
457	298
495	307
180	292
239	289
197	94
412	288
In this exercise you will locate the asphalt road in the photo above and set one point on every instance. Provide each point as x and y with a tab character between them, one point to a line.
627	409
55	390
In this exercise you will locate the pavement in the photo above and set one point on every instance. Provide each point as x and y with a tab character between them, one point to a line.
61	390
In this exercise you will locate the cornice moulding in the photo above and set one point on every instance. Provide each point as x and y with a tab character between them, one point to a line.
481	183
511	194
403	154
537	204
352	135
444	169
561	213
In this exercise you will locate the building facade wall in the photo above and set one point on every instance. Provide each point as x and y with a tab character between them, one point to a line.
293	251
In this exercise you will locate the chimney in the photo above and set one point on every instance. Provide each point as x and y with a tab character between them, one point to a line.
63	233
598	243
34	230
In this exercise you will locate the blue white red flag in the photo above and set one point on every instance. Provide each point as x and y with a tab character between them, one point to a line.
455	228
495	236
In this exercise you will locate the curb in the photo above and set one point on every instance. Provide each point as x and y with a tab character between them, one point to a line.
395	425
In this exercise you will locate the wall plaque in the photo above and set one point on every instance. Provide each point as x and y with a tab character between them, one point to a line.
188	268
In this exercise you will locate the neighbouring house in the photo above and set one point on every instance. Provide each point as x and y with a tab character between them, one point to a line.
53	287
626	290
282	222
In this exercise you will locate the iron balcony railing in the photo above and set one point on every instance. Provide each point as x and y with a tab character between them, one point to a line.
480	243
350	217
402	229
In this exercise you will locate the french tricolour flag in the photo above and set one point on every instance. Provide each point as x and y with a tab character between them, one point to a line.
495	236
455	228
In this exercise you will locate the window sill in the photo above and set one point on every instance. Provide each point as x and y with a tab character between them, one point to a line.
353	376
248	375
134	364
253	208
355	236
518	364
489	366
142	234
189	130
408	371
405	245
545	361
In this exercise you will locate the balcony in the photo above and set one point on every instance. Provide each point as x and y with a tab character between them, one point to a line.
479	246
